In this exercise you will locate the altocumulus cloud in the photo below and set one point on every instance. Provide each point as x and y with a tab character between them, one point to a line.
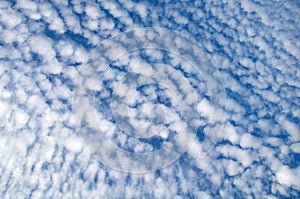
254	44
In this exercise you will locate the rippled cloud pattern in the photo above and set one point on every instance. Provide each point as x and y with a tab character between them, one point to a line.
192	99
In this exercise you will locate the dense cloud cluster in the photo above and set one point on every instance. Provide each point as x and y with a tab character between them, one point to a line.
45	46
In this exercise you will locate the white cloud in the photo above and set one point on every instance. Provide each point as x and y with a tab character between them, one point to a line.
243	156
57	25
29	5
249	141
254	45
5	113
80	55
92	11
141	10
66	49
73	144
10	18
291	128
42	46
295	147
20	119
288	176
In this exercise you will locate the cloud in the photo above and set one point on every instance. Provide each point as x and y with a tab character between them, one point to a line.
45	47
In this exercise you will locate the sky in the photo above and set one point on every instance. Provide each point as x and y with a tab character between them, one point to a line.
150	99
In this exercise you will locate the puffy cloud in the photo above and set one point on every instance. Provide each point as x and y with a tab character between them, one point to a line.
44	45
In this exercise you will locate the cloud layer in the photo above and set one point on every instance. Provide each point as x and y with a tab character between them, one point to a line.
44	46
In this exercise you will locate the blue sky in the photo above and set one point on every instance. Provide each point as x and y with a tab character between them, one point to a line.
149	99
